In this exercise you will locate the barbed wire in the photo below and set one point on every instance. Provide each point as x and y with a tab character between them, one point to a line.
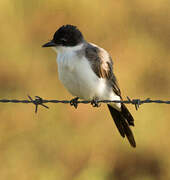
38	101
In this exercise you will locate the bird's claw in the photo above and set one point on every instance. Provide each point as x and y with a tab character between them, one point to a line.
74	102
95	103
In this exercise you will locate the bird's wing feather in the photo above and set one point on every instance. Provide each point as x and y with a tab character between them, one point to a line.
102	65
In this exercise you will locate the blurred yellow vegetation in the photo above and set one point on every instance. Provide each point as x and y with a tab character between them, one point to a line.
63	143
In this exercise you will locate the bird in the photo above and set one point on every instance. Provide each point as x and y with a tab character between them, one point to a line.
86	71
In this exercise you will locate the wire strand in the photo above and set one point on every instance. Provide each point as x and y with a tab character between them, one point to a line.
74	102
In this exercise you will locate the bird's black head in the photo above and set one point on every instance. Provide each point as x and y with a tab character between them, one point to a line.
67	35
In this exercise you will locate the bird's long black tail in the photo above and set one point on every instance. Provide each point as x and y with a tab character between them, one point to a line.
123	119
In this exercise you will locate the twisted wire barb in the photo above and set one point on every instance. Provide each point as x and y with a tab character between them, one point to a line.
38	101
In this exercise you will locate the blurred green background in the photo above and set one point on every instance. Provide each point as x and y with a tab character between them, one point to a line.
67	144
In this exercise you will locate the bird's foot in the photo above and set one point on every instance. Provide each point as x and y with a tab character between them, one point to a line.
74	102
95	103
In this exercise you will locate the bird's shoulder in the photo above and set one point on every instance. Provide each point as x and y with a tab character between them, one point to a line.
99	59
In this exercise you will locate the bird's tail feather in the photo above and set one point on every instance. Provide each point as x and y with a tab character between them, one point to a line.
126	114
123	119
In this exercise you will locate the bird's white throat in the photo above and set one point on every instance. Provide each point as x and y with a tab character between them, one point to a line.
63	49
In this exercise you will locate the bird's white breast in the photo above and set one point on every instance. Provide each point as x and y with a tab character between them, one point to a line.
76	75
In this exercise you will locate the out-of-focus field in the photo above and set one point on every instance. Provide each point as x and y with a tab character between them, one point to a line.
67	144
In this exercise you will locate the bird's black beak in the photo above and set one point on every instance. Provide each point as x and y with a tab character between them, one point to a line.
49	44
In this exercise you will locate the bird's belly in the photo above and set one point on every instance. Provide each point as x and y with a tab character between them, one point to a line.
77	83
70	81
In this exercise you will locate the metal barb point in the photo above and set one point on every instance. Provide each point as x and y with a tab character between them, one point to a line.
136	102
38	101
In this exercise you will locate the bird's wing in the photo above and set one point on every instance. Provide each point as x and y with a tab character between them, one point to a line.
102	65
